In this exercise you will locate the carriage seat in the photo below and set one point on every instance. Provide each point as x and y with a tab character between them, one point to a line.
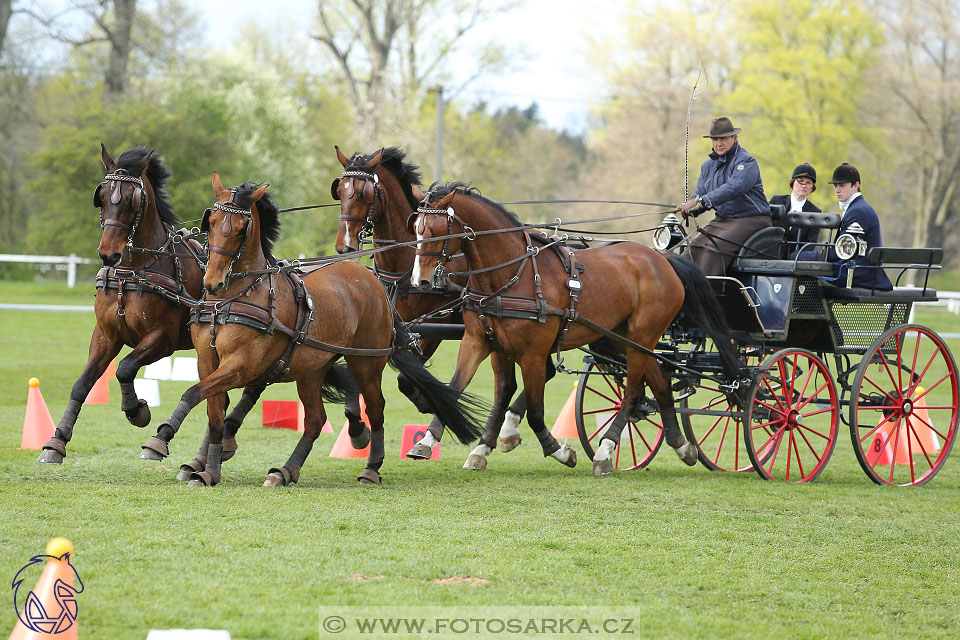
811	219
760	254
905	259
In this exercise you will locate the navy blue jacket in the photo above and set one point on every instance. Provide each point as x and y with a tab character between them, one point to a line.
731	185
867	278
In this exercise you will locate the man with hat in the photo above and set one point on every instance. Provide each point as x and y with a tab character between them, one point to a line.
858	217
730	184
803	182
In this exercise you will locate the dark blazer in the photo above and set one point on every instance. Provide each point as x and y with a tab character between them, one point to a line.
795	237
867	278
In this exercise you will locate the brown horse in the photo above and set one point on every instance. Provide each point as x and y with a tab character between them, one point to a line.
378	193
528	298
270	325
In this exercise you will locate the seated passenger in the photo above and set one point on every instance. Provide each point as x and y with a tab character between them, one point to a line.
803	182
855	210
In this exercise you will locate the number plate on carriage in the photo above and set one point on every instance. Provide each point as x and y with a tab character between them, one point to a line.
574	284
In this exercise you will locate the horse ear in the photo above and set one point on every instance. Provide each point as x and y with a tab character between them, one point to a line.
256	195
108	162
411	220
446	200
145	163
375	160
342	158
417	192
217	185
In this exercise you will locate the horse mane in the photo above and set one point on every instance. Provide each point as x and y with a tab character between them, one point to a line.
269	216
393	161
157	174
438	191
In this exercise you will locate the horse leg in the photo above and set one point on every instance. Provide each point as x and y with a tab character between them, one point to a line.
218	382
154	346
102	351
248	400
314	416
210	476
505	384
472	352
660	386
509	434
534	377
368	373
603	457
357	430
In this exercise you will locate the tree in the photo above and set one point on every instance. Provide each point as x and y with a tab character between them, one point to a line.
919	69
799	82
6	10
386	51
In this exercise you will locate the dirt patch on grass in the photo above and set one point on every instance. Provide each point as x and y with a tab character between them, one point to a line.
356	577
471	580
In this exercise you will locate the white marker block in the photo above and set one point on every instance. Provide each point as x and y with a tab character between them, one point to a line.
184	368
148	390
159	370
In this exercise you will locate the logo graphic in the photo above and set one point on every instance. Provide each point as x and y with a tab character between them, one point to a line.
61	598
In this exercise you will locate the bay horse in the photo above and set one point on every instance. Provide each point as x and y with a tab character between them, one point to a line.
150	275
527	298
271	324
377	193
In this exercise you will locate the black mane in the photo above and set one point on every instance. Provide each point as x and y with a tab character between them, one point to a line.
438	191
393	161
157	174
269	216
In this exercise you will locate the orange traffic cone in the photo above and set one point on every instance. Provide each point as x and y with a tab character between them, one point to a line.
888	445
50	608
342	447
287	414
922	432
37	424
100	393
566	424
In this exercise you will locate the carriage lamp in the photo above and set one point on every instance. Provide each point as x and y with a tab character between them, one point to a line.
668	234
851	244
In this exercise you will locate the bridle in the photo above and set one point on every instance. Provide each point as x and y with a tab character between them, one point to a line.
371	191
418	219
227	228
137	199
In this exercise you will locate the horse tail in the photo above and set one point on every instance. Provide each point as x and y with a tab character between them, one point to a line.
338	385
457	411
701	306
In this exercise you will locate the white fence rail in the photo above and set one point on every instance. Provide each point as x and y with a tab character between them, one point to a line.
71	261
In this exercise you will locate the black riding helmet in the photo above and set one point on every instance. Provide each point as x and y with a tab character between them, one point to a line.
804	170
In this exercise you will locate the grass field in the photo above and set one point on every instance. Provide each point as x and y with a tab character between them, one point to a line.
683	551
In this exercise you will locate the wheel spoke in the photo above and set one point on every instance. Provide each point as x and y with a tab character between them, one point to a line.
601	427
605	397
709	431
916	435
930	426
723	435
812	397
773	393
813	431
870	380
874	430
793	441
812	450
776	451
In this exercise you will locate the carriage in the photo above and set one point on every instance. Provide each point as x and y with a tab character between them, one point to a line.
892	383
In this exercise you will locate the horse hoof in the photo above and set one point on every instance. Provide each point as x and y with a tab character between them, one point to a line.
420	451
688	453
572	460
361	441
202	479
54	451
154	449
187	469
509	443
229	448
475	462
369	476
274	480
602	467
139	417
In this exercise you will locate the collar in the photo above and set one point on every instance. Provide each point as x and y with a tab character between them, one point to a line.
796	205
732	151
844	205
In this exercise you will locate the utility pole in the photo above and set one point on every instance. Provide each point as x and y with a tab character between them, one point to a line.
438	150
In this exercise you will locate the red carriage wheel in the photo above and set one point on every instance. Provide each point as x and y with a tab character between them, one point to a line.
599	395
792	414
904	406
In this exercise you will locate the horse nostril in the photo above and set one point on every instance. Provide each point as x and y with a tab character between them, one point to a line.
110	260
425	284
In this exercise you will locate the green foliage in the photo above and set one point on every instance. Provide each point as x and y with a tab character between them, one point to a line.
800	76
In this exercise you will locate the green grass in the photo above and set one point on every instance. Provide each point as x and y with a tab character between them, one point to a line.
683	550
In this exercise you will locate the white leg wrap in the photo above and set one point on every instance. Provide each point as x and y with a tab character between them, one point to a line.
428	440
562	454
509	427
481	450
605	450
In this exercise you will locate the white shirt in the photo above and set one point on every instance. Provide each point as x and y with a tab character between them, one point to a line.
844	205
796	205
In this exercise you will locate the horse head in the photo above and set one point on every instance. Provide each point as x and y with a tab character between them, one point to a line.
359	192
123	197
234	231
434	218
